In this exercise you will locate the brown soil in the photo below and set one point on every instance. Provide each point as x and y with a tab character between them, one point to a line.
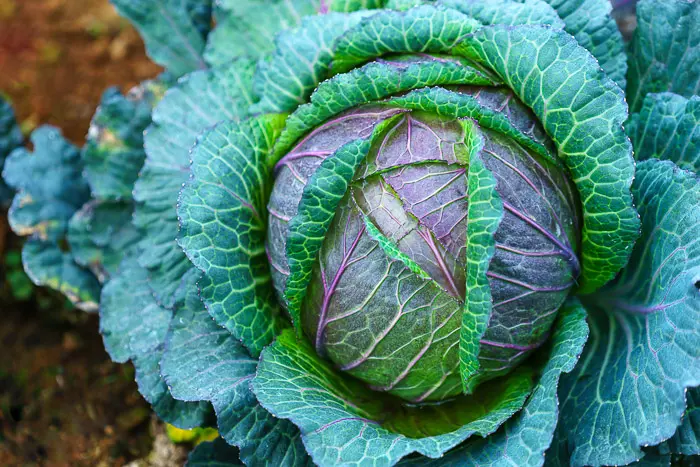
62	401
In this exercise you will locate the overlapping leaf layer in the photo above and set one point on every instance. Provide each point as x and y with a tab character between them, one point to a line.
392	210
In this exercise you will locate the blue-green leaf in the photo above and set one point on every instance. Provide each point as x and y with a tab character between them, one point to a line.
248	27
134	327
174	30
667	127
507	12
46	265
665	50
594	28
10	139
197	103
113	153
300	62
50	185
101	235
629	388
204	362
222	214
582	110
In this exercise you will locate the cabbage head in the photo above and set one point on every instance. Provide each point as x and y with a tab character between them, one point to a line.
381	232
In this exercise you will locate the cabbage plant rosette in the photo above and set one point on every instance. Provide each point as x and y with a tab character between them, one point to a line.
403	248
413	232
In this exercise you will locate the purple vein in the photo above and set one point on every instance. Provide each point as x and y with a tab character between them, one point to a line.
292	156
519	348
557	288
427	236
528	253
322	321
566	250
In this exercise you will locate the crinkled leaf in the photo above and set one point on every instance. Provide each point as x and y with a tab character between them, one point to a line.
113	153
300	62
629	388
665	50
222	214
184	415
46	265
134	327
203	361
422	29
197	103
174	30
594	28
667	127
50	185
582	110
217	453
507	12
483	218
307	230
344	423
523	440
101	235
10	138
249	27
496	109
372	82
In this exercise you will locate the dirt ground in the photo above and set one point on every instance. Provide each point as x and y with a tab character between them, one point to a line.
62	401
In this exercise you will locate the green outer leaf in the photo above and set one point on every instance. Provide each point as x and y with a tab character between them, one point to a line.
133	327
197	103
10	138
665	50
221	211
484	215
686	441
421	29
339	417
629	388
582	110
507	12
46	265
170	30
300	62
372	82
307	229
203	361
113	153
216	453
668	128
101	235
523	440
50	185
591	23
249	27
